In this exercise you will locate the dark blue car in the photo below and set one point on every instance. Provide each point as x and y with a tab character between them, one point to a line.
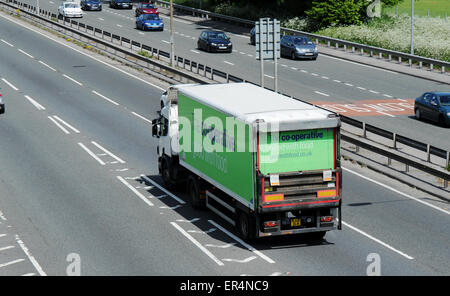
434	106
214	41
121	4
298	47
149	22
91	5
252	36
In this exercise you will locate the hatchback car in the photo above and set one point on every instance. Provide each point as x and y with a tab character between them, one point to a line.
214	41
149	22
298	47
91	5
121	4
70	9
146	8
2	105
434	106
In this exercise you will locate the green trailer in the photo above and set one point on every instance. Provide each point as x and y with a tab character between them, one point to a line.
264	162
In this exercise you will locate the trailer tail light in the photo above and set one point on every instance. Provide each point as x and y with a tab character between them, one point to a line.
326	218
326	193
270	224
273	197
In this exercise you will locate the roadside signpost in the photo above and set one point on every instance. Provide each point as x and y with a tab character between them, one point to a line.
267	38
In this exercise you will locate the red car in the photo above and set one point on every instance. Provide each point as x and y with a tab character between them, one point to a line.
146	8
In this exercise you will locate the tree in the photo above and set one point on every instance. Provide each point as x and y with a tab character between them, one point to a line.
326	13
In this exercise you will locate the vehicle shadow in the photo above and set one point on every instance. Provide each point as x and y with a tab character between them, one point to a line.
205	220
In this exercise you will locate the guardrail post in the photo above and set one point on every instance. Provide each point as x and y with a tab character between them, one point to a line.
345	47
328	43
371	53
353	49
389	161
364	130
428	152
380	55
410	62
420	65
390	57
362	51
337	45
407	168
395	140
443	70
399	60
431	67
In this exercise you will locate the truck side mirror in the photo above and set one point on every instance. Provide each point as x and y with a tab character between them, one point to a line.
156	128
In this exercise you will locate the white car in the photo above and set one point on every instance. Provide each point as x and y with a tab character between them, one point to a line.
70	9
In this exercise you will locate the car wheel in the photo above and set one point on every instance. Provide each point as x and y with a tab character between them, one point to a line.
442	121
418	114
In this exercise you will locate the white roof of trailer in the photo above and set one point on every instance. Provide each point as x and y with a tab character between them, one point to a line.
249	103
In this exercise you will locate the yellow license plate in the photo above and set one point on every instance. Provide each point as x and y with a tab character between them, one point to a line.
295	222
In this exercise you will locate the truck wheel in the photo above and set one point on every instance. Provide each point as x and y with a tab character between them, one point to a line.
246	226
194	193
165	173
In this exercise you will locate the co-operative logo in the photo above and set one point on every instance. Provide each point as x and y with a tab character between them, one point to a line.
370	9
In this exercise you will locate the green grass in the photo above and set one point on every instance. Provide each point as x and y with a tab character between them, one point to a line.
435	8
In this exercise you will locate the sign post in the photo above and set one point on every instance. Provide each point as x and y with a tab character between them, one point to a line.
267	38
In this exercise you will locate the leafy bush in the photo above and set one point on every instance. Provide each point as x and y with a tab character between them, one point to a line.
431	35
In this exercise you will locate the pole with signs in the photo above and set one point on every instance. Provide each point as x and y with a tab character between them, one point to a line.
172	47
267	37
412	27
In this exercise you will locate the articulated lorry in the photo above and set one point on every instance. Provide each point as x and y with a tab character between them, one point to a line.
266	163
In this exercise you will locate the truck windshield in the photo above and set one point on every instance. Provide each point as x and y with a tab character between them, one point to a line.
301	150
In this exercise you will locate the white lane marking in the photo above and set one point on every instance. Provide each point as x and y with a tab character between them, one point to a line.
374	92
162	189
271	77
121	170
249	55
321	93
28	274
170	208
243	53
101	19
385	95
378	241
108	152
362	65
293	68
194	51
85	54
103	97
6	248
51	2
91	153
203	232
283	65
348	84
66	124
53	69
361	88
246	260
303	71
11	262
140	33
70	78
30	256
195	242
314	74
221	246
26	53
165	41
120	26
7	43
250	248
384	113
35	104
10	84
399	192
141	117
189	221
58	125
229	63
335	80
142	197
325	77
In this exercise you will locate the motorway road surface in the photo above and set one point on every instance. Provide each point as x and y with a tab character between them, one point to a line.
79	176
343	86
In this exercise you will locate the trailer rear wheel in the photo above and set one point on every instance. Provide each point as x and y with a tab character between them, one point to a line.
246	226
194	193
165	173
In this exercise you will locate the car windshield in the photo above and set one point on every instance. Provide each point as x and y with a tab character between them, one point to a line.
151	17
445	100
217	35
71	5
301	40
148	5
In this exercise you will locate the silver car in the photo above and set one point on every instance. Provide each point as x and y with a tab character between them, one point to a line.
70	9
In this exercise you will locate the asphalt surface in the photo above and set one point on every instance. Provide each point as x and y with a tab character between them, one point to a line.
327	80
79	176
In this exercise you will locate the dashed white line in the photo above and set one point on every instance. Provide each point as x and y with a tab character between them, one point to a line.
165	41
195	242
10	84
6	248
194	51
7	43
271	77
335	80
91	153
26	53
246	260
35	104
101	19
142	197
325	77
51	68
321	93
374	92
221	246
229	63
108	152
314	74
141	117
303	71
120	26
361	88
103	97
385	95
293	68
58	125
348	84
73	80
163	189
11	262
